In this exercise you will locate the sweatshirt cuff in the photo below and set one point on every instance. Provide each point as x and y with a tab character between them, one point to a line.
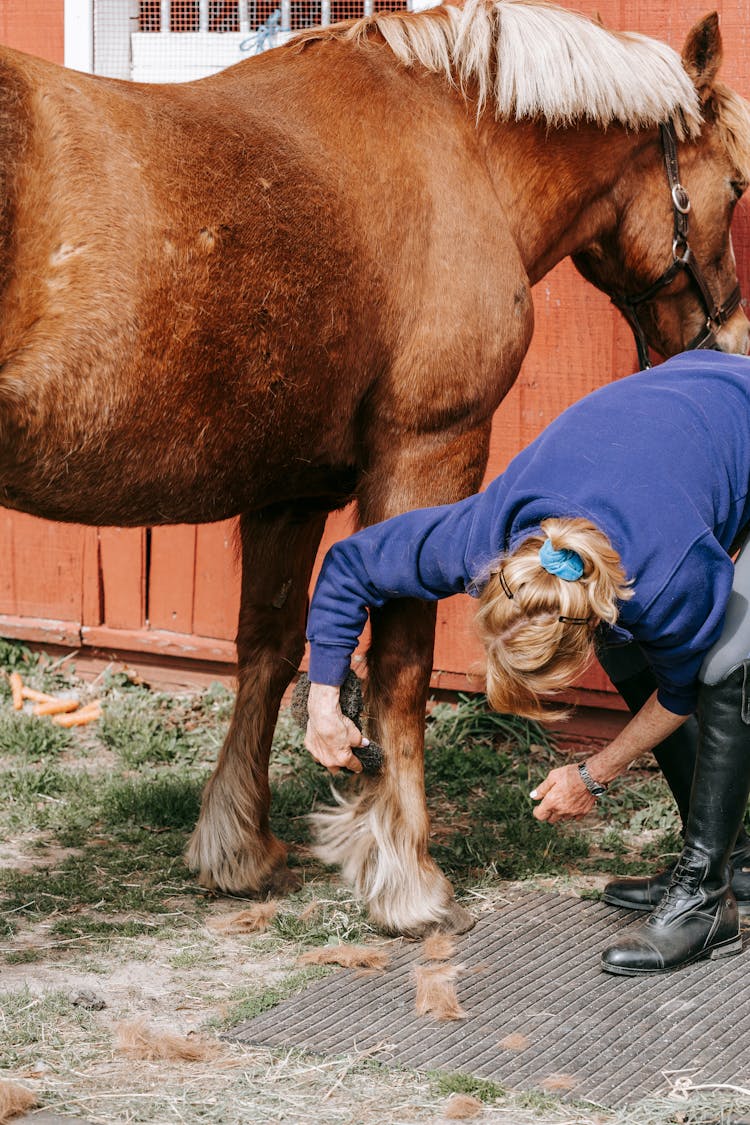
329	664
678	702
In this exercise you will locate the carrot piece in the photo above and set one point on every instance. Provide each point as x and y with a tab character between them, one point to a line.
78	718
56	707
16	686
36	696
94	705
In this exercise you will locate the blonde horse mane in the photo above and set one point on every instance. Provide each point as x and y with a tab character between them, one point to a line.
733	123
532	60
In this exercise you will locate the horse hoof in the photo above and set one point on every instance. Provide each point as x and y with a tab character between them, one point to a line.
456	920
282	881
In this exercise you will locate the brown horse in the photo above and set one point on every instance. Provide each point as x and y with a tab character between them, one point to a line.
307	279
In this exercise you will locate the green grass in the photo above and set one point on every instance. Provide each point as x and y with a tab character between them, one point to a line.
134	875
16	657
457	1083
127	815
479	770
157	800
140	731
26	736
37	1027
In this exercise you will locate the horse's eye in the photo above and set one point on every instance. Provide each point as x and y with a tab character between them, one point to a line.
738	188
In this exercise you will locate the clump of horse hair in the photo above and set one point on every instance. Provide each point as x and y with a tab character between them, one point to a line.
255	920
347	956
516	1041
438	947
436	992
559	1082
136	1040
460	1107
311	910
14	1099
534	650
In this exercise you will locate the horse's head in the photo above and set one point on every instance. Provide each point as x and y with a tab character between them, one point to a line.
667	259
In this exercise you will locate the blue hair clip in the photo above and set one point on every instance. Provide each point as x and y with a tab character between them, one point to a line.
565	564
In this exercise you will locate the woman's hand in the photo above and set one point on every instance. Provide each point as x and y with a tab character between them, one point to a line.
330	736
563	796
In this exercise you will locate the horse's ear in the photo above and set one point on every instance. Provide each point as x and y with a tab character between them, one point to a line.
701	55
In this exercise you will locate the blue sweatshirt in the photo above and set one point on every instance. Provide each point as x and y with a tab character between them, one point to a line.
659	461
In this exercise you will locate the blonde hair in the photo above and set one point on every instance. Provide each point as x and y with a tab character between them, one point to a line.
531	652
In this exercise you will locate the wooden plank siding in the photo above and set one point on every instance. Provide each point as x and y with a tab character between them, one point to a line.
175	591
35	26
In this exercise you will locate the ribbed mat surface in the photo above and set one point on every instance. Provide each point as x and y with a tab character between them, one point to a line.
531	968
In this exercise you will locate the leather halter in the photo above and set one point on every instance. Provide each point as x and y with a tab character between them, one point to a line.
682	259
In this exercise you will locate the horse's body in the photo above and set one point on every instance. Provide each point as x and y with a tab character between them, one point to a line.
304	280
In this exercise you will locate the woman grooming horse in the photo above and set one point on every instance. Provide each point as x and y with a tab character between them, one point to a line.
617	520
306	281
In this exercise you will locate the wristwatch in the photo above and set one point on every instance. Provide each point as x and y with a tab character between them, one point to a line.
594	787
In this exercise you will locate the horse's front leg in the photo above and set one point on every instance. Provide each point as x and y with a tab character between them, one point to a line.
380	840
233	847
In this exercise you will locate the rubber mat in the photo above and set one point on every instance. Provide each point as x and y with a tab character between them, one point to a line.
540	1014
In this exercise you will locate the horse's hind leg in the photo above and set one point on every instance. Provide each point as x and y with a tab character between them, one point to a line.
233	847
380	839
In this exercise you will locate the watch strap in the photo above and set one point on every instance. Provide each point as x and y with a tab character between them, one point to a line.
594	787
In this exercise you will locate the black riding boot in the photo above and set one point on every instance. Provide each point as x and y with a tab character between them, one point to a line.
675	757
697	917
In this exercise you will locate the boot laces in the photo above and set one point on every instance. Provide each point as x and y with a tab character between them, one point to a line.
686	877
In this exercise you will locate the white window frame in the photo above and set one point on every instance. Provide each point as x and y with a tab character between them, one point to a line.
133	51
79	35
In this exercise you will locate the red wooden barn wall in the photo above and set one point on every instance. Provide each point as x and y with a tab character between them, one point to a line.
35	26
175	590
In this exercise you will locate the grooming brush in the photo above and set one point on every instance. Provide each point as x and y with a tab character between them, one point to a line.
351	701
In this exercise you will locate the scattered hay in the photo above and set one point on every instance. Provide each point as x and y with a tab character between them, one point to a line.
515	1042
348	956
460	1107
255	920
136	1040
436	992
559	1082
14	1099
438	947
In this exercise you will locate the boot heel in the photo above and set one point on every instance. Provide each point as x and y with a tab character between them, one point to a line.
726	949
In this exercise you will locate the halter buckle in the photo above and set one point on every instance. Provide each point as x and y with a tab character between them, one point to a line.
681	199
681	251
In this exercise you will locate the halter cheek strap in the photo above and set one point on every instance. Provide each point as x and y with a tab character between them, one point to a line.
682	259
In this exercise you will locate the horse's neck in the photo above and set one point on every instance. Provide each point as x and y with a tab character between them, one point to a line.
559	187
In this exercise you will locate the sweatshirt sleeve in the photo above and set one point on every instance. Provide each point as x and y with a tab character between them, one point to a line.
420	554
684	620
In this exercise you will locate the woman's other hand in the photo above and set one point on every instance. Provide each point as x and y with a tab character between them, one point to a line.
330	736
562	796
